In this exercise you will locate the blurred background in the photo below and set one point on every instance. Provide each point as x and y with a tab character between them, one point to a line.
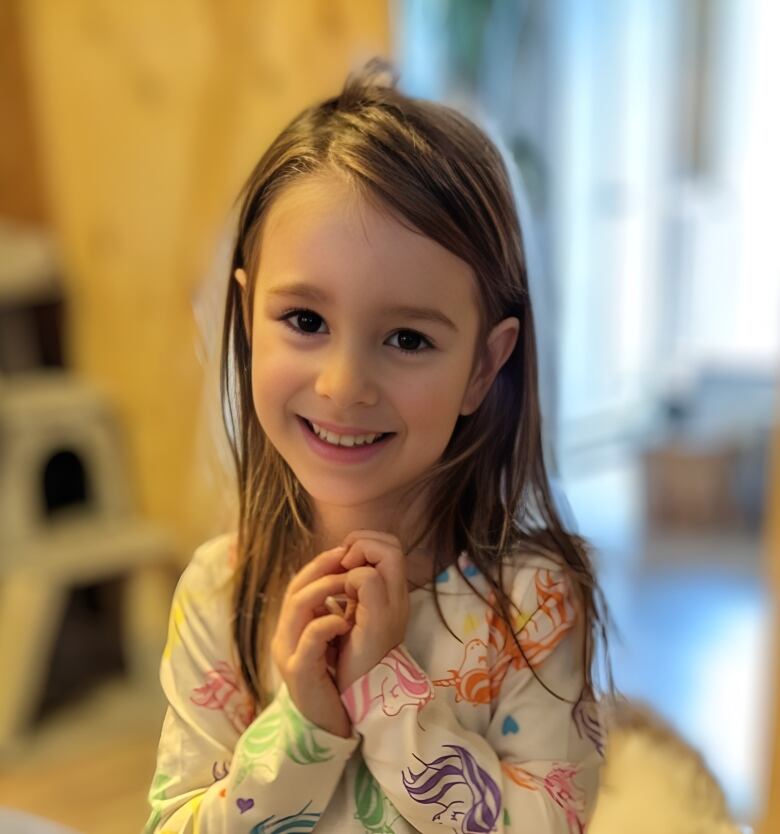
644	137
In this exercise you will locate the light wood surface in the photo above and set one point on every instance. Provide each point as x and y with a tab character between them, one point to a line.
89	765
771	823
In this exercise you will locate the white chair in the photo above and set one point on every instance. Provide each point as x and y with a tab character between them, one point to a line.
46	550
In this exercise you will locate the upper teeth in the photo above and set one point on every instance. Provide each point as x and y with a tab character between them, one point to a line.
343	439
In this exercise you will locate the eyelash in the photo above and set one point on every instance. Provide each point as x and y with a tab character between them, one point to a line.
288	314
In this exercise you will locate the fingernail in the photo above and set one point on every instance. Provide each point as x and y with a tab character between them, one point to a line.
333	605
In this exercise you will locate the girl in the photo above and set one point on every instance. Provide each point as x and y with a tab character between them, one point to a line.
379	369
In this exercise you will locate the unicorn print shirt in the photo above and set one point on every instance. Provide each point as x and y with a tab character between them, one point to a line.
449	734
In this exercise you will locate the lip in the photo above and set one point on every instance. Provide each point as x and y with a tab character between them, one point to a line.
342	430
342	454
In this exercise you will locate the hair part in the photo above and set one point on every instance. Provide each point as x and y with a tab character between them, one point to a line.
438	174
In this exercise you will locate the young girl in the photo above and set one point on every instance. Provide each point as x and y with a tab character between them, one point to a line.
398	637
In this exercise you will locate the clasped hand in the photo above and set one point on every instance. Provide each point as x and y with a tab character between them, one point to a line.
376	581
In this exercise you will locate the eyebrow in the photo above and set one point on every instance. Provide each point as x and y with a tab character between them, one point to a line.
300	289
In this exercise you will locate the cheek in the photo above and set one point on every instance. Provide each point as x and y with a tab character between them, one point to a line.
274	381
431	404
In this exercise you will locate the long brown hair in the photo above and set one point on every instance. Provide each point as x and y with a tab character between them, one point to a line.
433	168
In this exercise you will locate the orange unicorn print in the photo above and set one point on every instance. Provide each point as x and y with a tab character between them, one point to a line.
480	675
471	680
542	632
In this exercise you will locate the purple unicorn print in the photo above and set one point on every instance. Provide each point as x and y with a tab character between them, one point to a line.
588	724
465	793
219	770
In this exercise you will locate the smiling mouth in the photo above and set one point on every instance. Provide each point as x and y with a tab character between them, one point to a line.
375	440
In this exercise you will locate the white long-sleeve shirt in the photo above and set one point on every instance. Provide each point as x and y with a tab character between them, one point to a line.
447	734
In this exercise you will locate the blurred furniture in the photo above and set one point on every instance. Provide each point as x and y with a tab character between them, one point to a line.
705	469
31	301
66	513
690	486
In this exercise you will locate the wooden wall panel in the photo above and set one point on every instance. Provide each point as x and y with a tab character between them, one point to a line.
21	193
150	116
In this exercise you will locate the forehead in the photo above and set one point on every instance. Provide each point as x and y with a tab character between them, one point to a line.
322	231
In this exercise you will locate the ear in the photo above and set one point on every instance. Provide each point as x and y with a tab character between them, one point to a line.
500	344
241	277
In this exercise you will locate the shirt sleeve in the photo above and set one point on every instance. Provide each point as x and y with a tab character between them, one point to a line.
220	769
536	768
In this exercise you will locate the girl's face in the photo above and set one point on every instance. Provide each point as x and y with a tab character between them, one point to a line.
343	360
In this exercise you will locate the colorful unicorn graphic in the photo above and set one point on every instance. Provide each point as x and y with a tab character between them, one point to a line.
541	633
559	784
374	810
396	681
588	724
484	667
463	790
219	770
471	680
300	823
221	690
281	731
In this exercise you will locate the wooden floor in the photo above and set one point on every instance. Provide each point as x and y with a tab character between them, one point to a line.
89	766
693	611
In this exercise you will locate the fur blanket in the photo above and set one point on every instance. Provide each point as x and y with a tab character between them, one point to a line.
653	781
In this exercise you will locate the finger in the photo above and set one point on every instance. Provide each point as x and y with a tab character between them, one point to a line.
375	535
367	586
324	563
356	554
313	645
387	559
301	607
335	604
379	535
342	605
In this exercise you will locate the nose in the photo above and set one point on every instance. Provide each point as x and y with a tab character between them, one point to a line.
345	377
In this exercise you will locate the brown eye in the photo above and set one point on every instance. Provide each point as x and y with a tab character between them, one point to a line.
304	316
308	315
